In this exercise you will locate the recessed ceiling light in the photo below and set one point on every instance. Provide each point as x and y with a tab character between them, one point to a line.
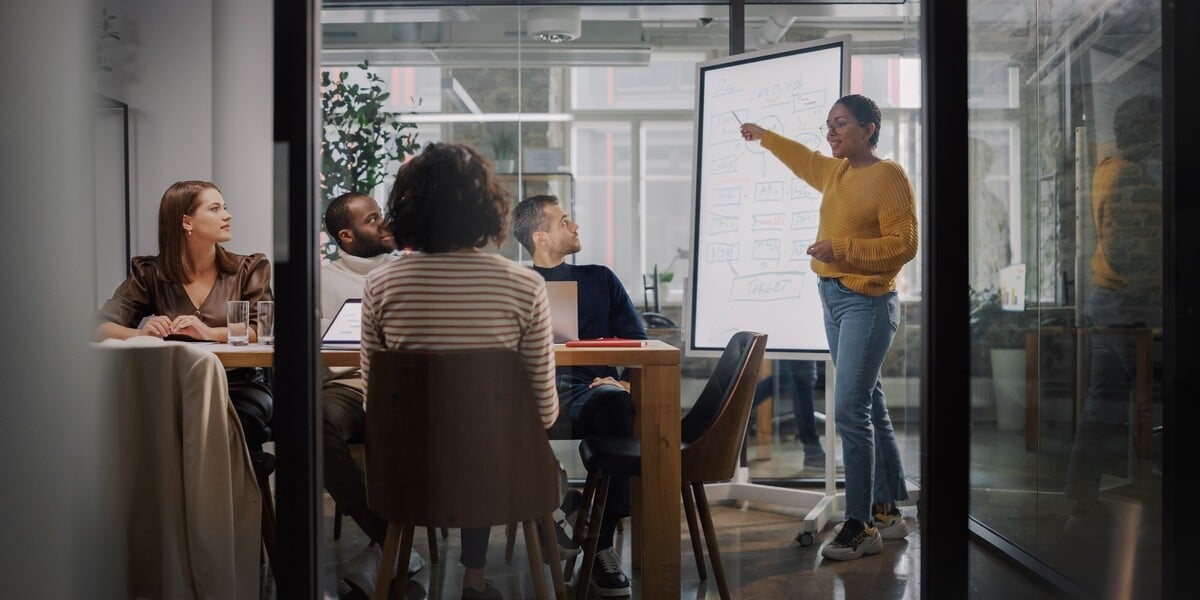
554	24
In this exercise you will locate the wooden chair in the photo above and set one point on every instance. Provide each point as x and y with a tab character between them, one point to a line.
356	451
453	439
711	437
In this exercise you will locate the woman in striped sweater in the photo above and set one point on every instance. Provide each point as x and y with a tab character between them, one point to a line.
449	294
867	232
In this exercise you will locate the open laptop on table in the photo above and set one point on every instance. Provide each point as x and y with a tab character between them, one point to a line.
345	329
564	310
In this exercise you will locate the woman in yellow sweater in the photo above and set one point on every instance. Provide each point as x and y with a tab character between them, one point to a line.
867	232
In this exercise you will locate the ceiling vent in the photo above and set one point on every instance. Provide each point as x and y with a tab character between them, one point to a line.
554	24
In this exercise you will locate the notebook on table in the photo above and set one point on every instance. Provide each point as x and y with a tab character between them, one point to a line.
345	329
564	310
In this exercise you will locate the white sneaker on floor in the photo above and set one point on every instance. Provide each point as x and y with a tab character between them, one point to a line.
853	541
891	526
360	572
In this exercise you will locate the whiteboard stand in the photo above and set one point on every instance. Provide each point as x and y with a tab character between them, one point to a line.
822	505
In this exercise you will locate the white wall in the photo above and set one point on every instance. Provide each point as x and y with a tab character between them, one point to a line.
243	114
197	75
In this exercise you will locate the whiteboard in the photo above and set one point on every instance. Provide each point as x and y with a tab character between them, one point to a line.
752	219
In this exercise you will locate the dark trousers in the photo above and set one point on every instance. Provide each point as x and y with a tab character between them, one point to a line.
602	410
1101	441
474	547
796	379
251	392
344	479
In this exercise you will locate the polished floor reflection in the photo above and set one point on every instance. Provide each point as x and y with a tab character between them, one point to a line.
1018	492
761	561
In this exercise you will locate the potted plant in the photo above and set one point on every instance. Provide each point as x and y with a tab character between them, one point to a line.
362	142
998	354
504	148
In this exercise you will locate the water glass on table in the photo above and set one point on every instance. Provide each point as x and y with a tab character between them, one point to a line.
237	319
266	322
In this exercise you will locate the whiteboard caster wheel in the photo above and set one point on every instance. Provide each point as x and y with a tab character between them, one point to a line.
804	538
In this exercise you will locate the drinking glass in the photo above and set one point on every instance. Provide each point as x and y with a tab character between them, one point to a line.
237	317
266	322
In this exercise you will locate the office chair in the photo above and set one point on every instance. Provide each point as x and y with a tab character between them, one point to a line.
711	436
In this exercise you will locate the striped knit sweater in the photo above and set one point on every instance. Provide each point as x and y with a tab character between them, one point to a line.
462	300
868	213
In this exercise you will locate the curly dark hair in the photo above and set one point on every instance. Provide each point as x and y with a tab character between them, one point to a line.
865	111
447	198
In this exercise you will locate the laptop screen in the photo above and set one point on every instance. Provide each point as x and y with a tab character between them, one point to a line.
346	326
564	310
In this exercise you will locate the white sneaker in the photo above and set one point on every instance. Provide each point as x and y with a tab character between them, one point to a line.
891	526
853	541
360	572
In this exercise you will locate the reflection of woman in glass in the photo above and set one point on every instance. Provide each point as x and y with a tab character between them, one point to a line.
867	232
1126	292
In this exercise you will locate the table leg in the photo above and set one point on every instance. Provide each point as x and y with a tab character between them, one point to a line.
656	496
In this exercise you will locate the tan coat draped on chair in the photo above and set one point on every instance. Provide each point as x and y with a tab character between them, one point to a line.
189	499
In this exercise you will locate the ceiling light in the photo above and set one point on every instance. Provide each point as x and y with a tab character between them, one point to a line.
554	24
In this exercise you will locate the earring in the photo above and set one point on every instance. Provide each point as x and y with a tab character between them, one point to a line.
189	232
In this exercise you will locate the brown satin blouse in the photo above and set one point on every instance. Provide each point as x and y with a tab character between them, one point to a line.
146	293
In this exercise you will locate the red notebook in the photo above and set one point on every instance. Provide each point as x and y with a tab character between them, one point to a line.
606	342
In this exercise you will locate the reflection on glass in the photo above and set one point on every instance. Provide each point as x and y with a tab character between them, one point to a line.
1067	132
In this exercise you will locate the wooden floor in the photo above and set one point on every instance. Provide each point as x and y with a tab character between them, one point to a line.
761	561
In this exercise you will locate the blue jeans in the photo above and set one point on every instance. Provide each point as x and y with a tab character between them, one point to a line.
860	331
796	379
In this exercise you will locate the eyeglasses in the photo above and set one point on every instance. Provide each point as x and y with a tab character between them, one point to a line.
838	126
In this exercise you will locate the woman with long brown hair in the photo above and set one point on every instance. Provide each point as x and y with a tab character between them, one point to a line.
182	291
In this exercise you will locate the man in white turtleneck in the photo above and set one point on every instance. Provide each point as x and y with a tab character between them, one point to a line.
356	223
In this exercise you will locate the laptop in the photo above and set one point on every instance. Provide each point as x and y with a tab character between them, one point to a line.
564	310
345	330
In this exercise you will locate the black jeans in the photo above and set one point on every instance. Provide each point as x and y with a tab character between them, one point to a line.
251	391
600	410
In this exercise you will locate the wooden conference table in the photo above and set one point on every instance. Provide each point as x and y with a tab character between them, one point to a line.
656	380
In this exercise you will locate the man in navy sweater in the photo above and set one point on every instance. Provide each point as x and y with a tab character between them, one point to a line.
594	399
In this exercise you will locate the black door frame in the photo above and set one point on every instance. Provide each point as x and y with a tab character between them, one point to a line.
297	440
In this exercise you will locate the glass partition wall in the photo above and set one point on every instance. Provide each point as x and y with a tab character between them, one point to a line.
605	122
1066	287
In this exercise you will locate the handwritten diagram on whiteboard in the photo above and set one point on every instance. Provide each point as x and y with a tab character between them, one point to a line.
753	219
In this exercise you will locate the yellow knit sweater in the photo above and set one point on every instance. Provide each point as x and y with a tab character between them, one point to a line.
868	213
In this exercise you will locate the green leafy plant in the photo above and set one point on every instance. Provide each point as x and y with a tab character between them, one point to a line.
990	324
361	140
504	141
